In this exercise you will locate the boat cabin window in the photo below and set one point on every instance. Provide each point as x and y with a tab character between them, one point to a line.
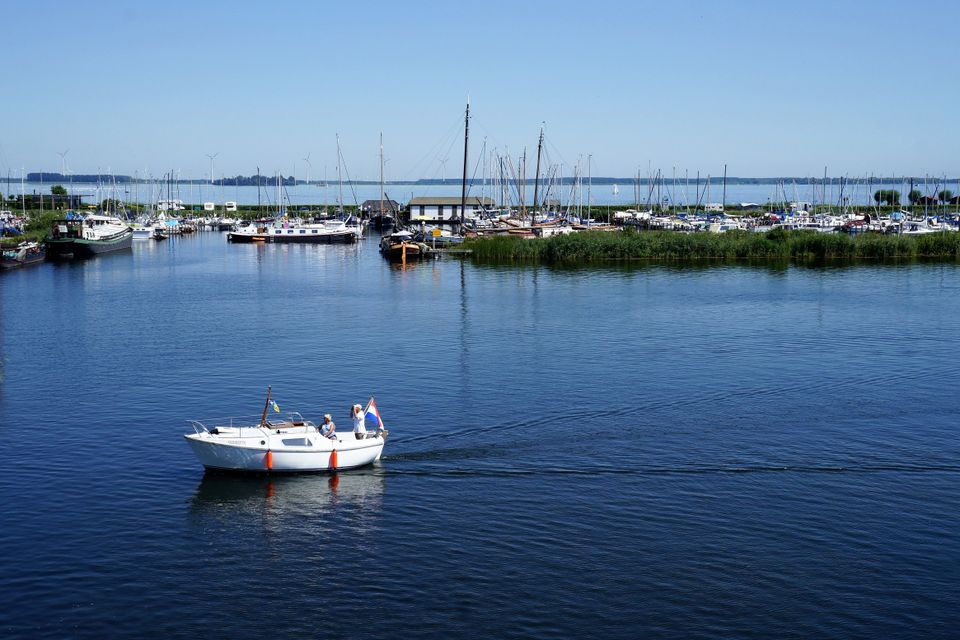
297	442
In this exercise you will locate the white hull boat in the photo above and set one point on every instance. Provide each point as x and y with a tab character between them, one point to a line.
290	445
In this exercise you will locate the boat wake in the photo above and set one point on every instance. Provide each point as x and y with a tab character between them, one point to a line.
393	470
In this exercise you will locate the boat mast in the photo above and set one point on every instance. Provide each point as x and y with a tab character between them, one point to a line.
536	179
463	186
381	176
339	181
723	202
589	184
266	405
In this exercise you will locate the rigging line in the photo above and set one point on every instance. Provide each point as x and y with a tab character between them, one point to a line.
555	148
450	132
476	168
474	122
349	180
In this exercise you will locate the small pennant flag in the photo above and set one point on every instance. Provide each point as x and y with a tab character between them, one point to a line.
275	407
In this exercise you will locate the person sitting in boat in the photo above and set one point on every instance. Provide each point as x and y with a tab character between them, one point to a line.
359	426
328	429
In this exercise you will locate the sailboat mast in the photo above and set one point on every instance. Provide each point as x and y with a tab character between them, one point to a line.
381	175
466	141
536	179
266	405
339	180
723	202
589	185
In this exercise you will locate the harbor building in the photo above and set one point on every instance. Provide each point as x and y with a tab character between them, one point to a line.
446	209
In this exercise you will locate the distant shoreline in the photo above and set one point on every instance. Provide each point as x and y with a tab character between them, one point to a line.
267	181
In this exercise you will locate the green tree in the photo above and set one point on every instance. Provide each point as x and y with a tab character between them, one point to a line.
890	197
58	190
914	196
945	196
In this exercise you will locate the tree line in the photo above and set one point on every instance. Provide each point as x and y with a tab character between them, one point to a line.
891	197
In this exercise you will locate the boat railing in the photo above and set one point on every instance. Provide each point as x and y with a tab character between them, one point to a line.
210	425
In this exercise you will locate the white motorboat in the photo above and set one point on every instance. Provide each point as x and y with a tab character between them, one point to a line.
143	231
289	445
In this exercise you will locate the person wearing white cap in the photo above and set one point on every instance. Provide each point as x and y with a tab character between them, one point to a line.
328	428
359	426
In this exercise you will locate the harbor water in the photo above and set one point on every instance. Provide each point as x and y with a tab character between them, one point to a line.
692	451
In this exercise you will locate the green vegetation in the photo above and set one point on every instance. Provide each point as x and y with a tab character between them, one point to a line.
889	197
58	190
37	227
779	244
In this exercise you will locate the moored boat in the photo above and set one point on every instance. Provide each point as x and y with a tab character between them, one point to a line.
287	445
401	246
23	255
88	236
255	232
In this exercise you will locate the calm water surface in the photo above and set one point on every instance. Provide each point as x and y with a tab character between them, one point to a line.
723	451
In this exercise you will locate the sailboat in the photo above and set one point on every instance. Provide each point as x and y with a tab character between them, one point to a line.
285	445
384	216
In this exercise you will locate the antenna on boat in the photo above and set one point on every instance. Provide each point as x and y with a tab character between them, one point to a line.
266	405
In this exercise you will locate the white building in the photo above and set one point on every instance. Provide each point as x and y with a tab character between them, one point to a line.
447	208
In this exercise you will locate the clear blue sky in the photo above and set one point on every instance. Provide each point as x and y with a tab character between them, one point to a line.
769	88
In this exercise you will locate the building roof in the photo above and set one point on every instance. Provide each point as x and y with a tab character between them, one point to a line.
452	200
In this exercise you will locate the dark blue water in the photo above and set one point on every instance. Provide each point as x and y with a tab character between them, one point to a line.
724	451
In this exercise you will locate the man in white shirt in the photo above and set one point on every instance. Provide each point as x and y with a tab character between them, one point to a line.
359	426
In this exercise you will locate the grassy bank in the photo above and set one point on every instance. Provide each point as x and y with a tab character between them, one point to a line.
598	246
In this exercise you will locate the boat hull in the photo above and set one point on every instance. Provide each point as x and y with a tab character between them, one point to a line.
219	454
340	237
79	248
404	252
16	263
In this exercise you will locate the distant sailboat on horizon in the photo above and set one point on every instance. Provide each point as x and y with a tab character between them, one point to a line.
616	190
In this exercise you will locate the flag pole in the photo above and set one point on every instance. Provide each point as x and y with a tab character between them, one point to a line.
266	405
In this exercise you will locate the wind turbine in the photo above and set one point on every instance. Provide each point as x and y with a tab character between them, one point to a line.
63	162
309	167
211	164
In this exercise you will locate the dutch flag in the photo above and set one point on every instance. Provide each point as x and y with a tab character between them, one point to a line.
372	415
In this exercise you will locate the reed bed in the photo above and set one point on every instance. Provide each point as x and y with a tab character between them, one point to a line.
599	246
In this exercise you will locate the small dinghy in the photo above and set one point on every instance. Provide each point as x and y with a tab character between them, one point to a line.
287	445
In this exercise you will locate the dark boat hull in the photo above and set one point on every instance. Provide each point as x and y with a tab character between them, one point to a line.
36	258
404	252
78	248
327	238
247	238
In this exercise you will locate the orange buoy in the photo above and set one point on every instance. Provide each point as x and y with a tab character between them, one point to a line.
269	460
333	459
